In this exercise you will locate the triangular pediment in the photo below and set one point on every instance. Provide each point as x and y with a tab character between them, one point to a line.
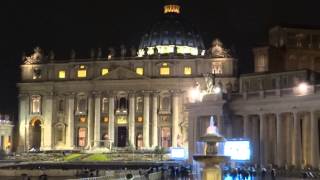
121	73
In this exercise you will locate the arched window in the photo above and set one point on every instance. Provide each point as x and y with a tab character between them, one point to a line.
36	104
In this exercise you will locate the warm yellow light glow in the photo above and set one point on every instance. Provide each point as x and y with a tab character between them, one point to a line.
167	49
164	71
172	9
139	71
301	89
187	71
140	119
82	67
104	71
82	119
122	120
82	73
62	74
7	143
106	119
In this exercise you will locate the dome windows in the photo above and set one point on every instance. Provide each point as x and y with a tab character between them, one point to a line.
172	9
170	32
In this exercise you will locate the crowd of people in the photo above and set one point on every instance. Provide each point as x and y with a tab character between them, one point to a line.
271	172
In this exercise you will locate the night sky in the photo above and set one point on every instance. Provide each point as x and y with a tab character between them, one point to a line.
63	25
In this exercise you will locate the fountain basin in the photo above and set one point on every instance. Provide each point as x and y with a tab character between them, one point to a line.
211	138
208	160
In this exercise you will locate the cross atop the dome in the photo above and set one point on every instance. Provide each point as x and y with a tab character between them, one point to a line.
172	6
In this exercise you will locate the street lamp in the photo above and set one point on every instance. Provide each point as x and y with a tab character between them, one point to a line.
301	89
196	94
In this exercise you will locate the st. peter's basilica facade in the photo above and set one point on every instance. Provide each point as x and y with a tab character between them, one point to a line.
140	98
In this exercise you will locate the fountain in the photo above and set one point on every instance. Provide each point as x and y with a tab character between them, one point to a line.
211	160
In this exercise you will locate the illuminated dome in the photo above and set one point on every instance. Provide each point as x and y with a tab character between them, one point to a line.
172	34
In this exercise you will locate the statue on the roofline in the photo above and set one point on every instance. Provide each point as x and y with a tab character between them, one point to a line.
35	58
218	51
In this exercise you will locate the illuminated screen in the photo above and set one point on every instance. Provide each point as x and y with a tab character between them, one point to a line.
237	150
178	153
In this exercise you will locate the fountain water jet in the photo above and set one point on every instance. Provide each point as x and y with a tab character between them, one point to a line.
211	160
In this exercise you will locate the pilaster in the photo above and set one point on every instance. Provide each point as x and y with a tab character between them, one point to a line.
146	116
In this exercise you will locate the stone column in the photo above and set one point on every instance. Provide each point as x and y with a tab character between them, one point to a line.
280	140
192	137
246	126
296	149
90	120
288	138
271	139
23	122
155	120
1	143
132	119
314	140
111	119
97	119
175	118
255	138
70	127
47	123
262	141
146	113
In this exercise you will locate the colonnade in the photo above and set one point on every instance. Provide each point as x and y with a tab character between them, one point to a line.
284	138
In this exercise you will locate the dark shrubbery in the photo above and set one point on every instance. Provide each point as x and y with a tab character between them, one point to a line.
3	154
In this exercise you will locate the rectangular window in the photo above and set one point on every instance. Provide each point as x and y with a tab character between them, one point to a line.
82	135
36	73
36	104
139	71
165	137
104	71
62	74
82	73
187	71
164	71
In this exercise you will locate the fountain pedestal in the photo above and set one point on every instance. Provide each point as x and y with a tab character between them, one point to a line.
211	160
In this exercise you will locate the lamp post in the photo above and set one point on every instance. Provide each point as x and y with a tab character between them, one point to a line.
196	94
301	89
